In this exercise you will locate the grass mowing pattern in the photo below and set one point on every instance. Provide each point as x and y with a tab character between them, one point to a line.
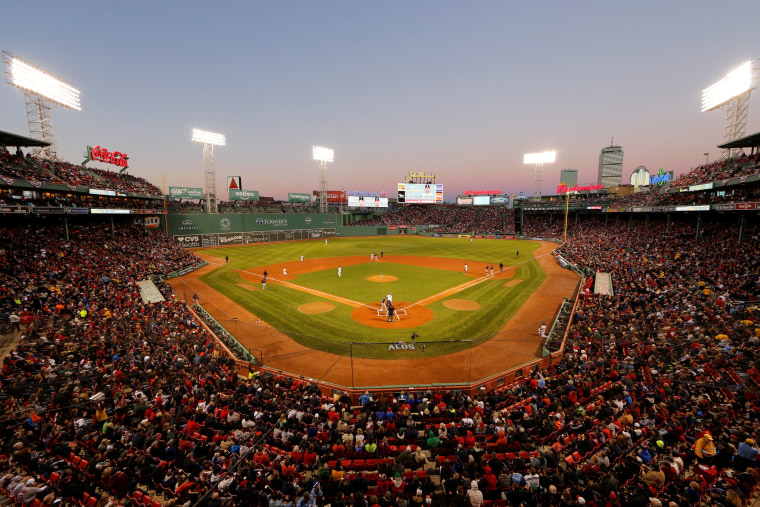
414	282
330	331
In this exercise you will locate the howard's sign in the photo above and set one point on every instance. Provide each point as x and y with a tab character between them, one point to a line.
103	155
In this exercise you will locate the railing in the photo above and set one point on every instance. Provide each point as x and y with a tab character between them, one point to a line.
236	348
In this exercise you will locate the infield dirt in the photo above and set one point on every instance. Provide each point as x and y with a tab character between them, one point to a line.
518	342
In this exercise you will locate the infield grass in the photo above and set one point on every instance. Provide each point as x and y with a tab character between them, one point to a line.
330	331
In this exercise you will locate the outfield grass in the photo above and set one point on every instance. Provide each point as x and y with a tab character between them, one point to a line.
484	250
330	331
414	282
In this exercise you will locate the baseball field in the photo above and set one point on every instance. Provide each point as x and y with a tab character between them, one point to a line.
328	306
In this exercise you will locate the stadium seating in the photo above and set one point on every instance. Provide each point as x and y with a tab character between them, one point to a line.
645	373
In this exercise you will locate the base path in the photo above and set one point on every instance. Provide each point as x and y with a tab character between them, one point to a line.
517	344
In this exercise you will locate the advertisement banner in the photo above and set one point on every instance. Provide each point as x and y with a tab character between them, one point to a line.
420	193
698	207
186	193
244	195
334	196
103	155
14	209
481	200
46	210
361	201
746	205
464	201
295	197
189	241
391	227
698	188
234	183
482	192
235	238
189	224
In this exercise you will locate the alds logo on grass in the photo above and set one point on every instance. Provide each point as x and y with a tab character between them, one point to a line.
401	346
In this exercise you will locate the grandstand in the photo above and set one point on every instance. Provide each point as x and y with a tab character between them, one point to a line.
110	400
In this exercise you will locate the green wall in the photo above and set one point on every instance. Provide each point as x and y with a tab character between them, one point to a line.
203	230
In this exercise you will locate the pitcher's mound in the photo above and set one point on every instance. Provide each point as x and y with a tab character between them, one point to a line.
461	304
382	278
415	316
316	307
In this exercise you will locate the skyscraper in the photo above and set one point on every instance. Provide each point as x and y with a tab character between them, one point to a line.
568	177
610	166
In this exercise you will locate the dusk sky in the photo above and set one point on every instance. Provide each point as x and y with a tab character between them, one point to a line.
459	89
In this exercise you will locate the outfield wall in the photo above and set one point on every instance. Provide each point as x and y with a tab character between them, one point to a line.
209	230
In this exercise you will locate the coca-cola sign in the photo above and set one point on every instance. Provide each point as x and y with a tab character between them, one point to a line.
109	157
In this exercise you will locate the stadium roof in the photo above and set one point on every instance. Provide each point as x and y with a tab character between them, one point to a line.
8	139
750	141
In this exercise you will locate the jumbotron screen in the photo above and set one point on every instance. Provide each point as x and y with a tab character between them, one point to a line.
366	201
420	193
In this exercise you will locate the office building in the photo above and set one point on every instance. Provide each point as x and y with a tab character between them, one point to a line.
610	166
568	177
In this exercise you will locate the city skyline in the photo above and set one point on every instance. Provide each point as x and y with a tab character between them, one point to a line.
459	90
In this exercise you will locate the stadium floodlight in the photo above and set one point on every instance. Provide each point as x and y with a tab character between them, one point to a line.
545	157
205	137
539	159
735	83
30	78
209	140
323	156
42	92
732	94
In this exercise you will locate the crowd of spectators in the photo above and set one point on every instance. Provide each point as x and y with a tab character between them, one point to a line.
454	219
111	398
37	171
736	167
655	198
61	200
197	206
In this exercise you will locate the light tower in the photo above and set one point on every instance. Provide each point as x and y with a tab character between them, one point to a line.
539	159
732	94
323	156
43	92
209	140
